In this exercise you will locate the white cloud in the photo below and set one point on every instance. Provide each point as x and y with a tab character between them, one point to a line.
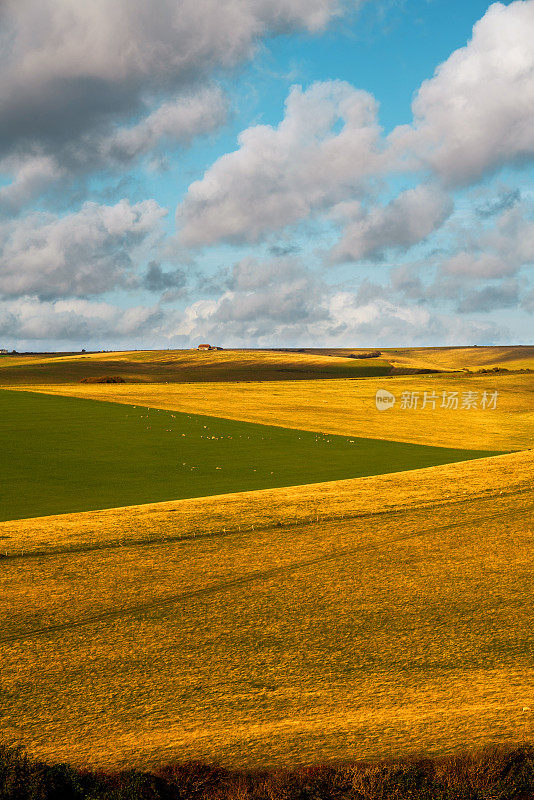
405	221
475	114
496	252
262	308
73	320
84	253
279	176
177	121
33	174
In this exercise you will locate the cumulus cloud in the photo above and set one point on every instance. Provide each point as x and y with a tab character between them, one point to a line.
283	301
473	116
68	66
33	174
173	123
475	113
279	176
73	320
156	280
489	298
405	221
178	121
495	252
259	297
84	253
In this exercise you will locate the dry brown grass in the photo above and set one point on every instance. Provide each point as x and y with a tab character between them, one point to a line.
367	637
346	406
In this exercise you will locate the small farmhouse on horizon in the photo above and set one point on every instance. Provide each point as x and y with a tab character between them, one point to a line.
208	347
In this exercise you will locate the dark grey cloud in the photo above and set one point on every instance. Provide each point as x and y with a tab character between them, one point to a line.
66	68
280	250
527	303
490	298
156	280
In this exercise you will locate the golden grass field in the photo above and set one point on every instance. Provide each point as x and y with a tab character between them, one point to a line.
406	627
346	406
450	358
353	619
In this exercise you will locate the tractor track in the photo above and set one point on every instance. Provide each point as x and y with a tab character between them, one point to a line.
223	586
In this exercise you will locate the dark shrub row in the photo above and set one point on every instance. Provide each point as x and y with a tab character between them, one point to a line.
104	379
370	354
494	774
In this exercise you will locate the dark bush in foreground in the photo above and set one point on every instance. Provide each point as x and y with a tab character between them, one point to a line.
493	774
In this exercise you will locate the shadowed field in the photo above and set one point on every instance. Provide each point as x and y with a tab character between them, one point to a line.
347	407
183	366
363	637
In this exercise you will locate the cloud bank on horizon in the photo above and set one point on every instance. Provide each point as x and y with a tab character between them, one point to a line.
156	190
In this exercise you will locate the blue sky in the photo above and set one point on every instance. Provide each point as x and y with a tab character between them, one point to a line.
266	173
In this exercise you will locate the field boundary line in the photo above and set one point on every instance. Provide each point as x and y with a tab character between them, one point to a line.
223	586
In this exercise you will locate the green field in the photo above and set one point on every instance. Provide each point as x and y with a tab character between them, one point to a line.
64	454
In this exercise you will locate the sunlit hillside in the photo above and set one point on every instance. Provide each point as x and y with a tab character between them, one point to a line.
374	635
288	507
448	358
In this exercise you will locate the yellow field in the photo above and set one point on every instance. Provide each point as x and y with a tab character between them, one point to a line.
380	634
347	406
179	358
450	358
